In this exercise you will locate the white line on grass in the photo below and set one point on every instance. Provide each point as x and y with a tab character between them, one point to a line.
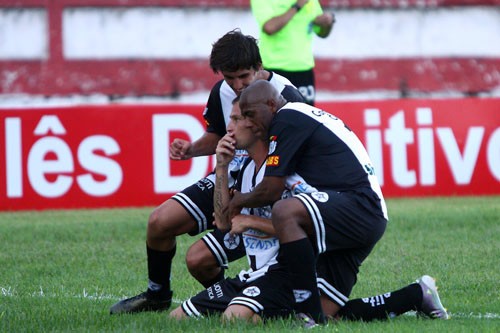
463	315
10	292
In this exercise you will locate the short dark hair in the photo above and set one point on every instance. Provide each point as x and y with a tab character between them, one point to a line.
235	51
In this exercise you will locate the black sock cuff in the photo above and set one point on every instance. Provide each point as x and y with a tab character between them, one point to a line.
165	255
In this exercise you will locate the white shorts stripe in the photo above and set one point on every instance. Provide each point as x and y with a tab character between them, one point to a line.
216	249
192	208
248	302
331	292
190	309
317	219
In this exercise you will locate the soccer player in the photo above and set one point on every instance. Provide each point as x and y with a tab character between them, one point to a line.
420	296
237	58
335	227
262	291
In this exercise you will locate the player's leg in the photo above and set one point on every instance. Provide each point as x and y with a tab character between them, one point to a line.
421	296
384	306
202	264
189	211
208	257
293	227
346	227
240	312
213	300
178	313
360	227
267	297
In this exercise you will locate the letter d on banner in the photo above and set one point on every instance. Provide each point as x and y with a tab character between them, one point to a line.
163	124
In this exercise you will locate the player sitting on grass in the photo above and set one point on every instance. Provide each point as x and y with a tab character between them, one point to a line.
237	58
254	294
262	291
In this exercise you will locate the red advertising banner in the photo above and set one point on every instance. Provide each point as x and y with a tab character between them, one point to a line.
117	155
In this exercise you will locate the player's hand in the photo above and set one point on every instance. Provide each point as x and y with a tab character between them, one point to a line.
325	20
180	149
219	225
239	224
225	150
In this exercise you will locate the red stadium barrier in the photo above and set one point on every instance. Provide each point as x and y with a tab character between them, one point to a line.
117	156
469	76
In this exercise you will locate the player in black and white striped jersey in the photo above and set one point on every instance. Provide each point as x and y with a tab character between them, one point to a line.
253	294
237	58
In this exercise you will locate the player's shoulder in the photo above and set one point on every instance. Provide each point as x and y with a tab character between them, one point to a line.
285	87
221	96
298	113
217	87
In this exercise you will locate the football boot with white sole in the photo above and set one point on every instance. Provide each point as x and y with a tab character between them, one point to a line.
431	304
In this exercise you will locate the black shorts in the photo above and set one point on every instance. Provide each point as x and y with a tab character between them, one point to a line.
303	80
262	296
224	247
198	201
347	226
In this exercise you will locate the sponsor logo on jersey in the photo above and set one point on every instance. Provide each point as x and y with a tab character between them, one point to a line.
273	160
205	184
251	292
231	241
301	295
320	196
272	143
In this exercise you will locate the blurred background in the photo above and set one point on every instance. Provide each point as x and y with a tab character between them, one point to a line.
99	51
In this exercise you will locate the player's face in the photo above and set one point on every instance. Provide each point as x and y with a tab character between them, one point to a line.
237	126
258	117
239	79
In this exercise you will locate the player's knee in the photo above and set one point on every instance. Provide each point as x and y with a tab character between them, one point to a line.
156	224
199	260
283	213
169	219
330	308
195	258
178	314
291	220
240	312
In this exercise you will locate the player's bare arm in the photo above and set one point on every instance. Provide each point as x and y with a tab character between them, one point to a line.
325	21
224	154
277	23
241	223
267	192
182	149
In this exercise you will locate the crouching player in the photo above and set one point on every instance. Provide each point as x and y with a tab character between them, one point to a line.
263	290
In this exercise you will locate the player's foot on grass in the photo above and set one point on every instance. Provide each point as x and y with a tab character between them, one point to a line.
142	302
431	304
305	320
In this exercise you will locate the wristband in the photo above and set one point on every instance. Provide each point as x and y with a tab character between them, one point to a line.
296	6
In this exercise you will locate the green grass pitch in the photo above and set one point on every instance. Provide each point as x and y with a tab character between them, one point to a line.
60	271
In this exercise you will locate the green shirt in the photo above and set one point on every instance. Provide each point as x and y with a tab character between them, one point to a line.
289	49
